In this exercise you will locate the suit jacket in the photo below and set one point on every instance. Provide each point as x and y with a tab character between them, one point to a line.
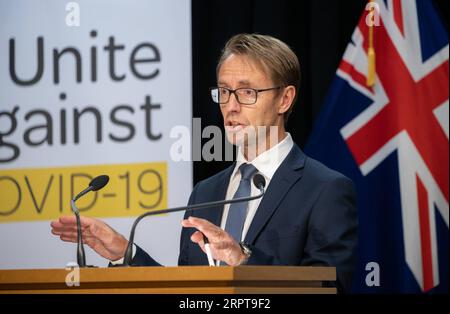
307	217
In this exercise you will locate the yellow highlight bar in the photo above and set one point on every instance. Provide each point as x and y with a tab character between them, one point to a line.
45	193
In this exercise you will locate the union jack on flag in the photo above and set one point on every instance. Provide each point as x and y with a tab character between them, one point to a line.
392	139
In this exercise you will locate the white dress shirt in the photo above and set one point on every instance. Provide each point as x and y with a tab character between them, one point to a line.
266	163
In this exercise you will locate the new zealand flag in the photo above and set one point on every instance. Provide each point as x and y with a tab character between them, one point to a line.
391	138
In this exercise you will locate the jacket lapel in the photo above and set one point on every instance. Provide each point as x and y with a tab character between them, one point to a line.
286	175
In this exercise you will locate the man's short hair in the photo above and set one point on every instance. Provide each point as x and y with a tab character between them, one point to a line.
275	56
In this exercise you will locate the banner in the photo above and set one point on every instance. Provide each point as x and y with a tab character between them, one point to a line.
90	88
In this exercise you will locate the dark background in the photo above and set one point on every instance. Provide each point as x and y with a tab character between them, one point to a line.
317	30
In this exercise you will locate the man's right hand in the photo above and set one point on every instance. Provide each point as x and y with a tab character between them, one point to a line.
98	235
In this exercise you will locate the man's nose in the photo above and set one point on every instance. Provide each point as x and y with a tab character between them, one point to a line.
233	105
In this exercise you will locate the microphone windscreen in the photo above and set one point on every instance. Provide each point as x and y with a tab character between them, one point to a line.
99	182
259	181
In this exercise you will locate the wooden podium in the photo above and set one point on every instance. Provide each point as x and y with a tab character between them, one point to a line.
179	280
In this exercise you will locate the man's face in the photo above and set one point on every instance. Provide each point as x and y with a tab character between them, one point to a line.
242	121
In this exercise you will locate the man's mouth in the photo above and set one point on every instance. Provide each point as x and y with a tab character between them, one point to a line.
234	126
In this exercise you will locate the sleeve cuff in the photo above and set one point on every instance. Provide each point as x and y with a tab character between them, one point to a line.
120	261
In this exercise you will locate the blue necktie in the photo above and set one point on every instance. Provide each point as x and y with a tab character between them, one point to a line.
238	211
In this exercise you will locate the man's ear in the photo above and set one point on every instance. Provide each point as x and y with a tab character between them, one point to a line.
287	99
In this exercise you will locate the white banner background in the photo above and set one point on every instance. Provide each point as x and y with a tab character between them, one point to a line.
164	23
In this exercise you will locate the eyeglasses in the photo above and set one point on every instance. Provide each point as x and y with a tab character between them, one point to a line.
244	96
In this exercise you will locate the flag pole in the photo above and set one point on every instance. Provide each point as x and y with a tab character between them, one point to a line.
371	55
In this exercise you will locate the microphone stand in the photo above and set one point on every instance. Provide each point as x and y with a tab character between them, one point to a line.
128	252
81	256
96	184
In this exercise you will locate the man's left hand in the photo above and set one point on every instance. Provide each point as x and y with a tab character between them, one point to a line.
223	246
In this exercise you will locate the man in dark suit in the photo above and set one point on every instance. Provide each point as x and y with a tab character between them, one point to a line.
308	214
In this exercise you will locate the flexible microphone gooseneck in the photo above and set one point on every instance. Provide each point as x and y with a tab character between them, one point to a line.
258	181
96	184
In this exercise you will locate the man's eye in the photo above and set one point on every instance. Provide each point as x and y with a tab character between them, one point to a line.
223	91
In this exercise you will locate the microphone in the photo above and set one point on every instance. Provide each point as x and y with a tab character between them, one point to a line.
96	184
258	181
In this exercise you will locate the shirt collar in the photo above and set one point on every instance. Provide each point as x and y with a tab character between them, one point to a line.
269	161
